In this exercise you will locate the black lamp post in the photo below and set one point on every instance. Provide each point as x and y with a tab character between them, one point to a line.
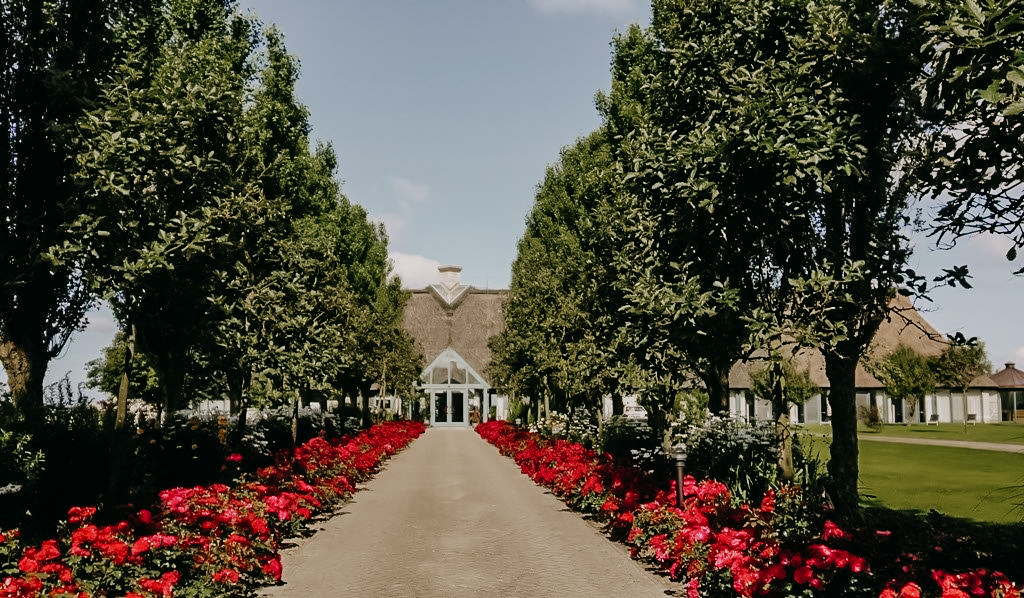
679	456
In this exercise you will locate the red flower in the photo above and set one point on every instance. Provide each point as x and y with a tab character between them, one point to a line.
80	514
272	566
28	565
226	575
163	586
833	531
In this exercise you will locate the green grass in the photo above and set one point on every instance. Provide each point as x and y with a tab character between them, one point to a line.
984	486
1006	432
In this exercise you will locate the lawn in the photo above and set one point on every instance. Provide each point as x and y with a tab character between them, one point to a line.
979	485
1008	433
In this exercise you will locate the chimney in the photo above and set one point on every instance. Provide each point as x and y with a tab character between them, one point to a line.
1010	364
451	276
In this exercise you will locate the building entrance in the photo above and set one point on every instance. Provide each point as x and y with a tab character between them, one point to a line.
453	390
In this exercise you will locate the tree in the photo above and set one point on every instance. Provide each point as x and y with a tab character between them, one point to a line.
781	383
157	158
53	57
769	143
959	364
907	376
973	96
106	373
553	345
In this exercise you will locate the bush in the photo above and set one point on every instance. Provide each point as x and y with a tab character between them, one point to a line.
871	417
742	456
629	441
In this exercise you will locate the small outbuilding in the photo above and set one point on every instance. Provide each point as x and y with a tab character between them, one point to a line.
1010	382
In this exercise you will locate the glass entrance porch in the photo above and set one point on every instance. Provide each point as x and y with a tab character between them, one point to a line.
453	390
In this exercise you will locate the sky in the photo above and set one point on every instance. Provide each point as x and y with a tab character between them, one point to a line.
445	114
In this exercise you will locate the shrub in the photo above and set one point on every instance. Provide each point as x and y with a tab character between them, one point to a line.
628	440
871	417
743	456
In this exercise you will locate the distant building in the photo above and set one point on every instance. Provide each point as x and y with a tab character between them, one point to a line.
1010	381
452	323
904	326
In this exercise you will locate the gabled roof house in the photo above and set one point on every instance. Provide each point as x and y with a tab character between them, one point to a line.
452	322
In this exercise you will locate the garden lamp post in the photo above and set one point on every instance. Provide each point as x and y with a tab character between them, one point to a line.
679	456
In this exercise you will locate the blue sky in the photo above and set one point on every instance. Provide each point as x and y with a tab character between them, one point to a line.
444	115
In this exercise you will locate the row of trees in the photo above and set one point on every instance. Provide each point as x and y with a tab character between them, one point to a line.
156	158
751	191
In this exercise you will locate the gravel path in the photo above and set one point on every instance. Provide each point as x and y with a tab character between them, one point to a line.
450	517
984	446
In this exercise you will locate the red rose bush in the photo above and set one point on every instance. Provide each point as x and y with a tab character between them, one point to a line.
718	546
202	541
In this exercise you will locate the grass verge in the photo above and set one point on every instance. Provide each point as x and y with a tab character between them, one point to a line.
976	485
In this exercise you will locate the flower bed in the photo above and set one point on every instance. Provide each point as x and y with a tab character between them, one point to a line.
202	541
718	546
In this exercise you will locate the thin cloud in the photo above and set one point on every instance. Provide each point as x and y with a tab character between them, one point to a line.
608	7
408	192
400	197
393	223
416	271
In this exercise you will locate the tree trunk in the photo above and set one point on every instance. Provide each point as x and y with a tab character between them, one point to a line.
617	407
843	465
126	373
364	396
783	432
26	369
547	410
716	380
245	382
295	418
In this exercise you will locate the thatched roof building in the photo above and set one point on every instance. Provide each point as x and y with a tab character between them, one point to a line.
904	326
452	323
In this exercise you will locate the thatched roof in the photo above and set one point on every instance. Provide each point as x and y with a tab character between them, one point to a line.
454	315
905	325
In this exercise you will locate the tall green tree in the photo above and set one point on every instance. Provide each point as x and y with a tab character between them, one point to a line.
764	143
554	343
267	236
906	374
158	156
53	58
963	360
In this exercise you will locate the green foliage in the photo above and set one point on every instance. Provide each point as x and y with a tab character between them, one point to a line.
106	372
53	57
871	416
797	384
907	375
959	364
626	439
516	411
973	98
554	342
20	462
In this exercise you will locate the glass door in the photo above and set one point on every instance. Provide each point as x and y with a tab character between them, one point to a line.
441	407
